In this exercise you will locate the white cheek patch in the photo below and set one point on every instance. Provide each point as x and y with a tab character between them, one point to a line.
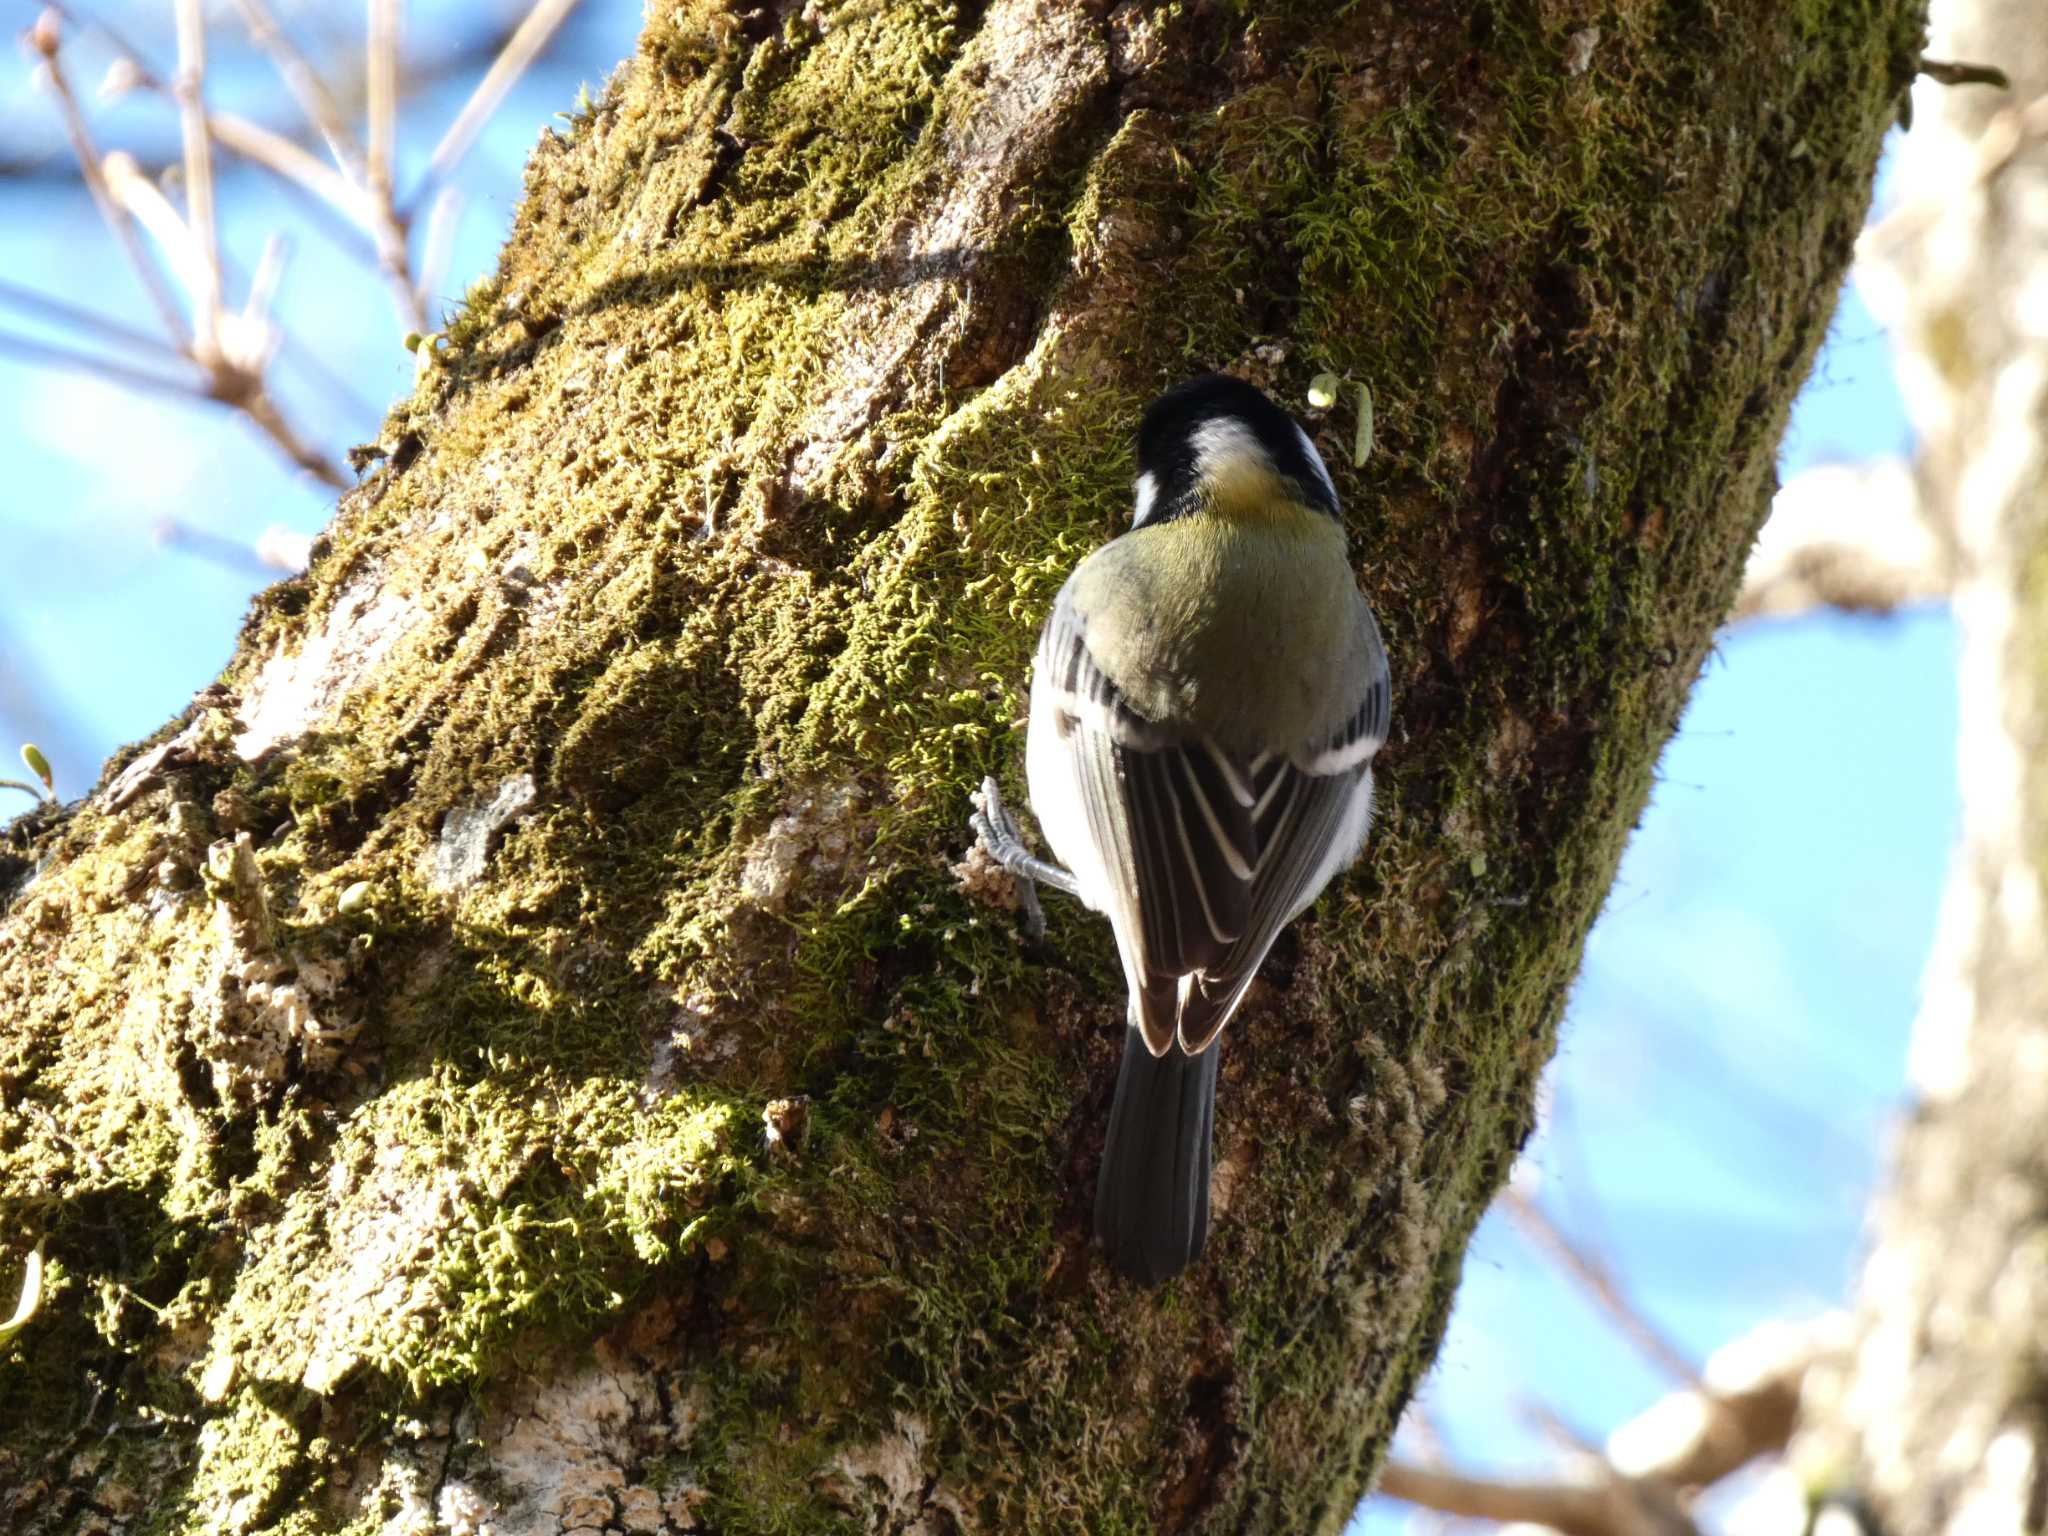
1232	465
1226	448
1148	498
1316	463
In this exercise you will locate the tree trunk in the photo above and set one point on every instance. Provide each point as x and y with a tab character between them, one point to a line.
521	1054
1941	1420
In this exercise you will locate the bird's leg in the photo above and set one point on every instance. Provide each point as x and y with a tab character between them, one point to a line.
996	829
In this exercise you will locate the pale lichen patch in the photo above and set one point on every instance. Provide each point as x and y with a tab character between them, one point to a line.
816	834
298	687
886	1482
565	1455
467	830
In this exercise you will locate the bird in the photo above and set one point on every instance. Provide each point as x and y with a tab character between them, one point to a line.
1207	697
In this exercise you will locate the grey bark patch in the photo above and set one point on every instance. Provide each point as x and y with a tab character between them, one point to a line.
466	832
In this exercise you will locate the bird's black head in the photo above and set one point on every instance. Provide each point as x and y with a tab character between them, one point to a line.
1217	435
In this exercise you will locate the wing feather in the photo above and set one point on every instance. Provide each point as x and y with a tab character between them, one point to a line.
1317	825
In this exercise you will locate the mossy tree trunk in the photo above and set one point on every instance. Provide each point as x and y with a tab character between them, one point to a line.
391	1053
1940	1420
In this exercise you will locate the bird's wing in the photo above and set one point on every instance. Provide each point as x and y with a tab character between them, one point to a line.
1165	823
1202	858
1310	818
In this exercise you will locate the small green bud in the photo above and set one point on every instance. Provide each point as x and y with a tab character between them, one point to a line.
1322	391
413	340
1361	450
39	765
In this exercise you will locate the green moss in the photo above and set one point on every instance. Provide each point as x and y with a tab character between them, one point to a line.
475	1213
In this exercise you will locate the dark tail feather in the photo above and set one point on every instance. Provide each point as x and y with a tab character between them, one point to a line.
1152	1201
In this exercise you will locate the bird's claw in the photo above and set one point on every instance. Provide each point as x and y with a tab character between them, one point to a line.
996	830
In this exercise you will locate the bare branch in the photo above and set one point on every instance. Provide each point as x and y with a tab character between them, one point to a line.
248	339
388	227
277	548
85	21
227	386
1680	1445
1748	1408
520	50
269	273
393	262
260	409
380	85
1566	1507
296	354
191	94
234	350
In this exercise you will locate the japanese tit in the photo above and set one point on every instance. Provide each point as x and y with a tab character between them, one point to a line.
1208	695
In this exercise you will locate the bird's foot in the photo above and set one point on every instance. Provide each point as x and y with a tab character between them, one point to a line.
996	830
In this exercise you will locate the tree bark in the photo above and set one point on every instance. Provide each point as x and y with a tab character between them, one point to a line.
1940	1422
520	1053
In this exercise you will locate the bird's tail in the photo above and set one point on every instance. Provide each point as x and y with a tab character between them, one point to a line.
1152	1200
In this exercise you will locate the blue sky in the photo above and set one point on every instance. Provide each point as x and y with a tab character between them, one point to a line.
1734	1049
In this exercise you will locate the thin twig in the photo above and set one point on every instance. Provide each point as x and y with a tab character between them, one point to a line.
387	227
86	21
249	338
142	198
32	350
90	166
1573	1509
1595	1279
520	50
227	385
228	554
305	171
48	307
308	362
439	244
1945	72
294	163
263	286
393	262
233	351
260	409
1684	1443
306	86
